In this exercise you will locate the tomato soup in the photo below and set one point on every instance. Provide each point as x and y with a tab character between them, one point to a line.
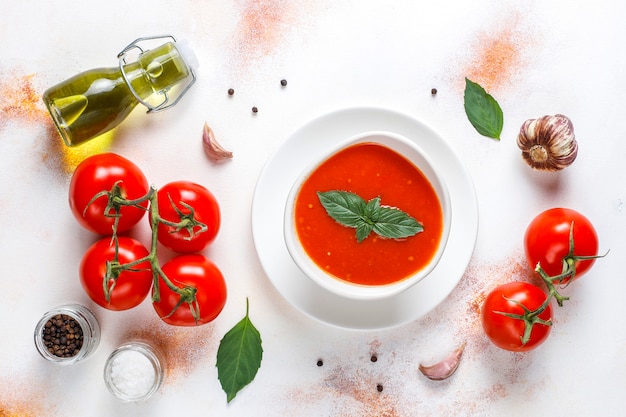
369	170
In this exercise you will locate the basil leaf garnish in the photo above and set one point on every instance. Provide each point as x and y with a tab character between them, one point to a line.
347	208
350	210
483	111
393	222
239	356
363	230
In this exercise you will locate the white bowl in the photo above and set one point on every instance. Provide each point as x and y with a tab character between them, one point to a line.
412	152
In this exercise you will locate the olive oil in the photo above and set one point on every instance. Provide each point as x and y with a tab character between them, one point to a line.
96	101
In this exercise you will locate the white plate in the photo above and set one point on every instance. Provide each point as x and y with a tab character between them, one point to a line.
309	143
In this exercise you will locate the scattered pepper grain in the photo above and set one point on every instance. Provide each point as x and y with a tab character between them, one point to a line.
255	110
320	362
231	91
379	387
433	91
283	82
374	358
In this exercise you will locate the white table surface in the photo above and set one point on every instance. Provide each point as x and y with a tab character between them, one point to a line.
535	57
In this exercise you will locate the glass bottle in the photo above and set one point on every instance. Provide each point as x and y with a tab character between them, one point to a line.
96	101
69	317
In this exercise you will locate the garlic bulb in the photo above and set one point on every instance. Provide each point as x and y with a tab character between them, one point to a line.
548	143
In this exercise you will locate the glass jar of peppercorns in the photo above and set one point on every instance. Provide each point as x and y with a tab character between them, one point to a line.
67	334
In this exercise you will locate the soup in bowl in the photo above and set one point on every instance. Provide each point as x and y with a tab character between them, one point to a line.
370	218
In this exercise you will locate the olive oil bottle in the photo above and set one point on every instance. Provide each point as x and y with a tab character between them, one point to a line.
96	101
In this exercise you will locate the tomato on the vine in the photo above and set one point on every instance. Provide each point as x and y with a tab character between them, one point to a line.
186	272
547	241
186	200
98	174
507	332
130	287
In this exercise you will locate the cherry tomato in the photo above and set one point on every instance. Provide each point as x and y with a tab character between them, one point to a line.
191	270
547	241
174	201
130	288
100	173
507	332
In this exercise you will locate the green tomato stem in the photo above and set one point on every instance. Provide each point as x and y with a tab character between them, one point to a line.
187	221
530	318
549	281
152	257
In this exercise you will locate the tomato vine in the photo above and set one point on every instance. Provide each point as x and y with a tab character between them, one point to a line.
186	293
567	275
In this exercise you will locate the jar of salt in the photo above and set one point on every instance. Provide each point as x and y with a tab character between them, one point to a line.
134	372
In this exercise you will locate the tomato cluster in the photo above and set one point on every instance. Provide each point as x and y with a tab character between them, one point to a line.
560	245
109	195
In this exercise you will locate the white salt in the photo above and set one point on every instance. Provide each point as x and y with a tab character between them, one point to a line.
132	373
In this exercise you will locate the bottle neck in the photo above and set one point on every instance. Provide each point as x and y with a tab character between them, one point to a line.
156	71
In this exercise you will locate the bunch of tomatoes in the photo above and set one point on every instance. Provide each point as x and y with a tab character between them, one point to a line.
561	245
109	195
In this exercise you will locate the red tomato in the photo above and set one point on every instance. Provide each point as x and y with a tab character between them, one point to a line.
547	241
131	286
507	332
191	270
97	174
174	200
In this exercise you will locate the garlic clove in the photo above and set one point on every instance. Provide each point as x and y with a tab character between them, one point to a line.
548	143
444	369
213	149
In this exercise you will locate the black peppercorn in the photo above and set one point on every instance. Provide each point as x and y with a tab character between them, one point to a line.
62	336
374	358
320	362
283	82
379	387
231	91
255	109
433	91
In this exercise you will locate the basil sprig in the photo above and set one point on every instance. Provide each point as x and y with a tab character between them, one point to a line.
483	111
349	209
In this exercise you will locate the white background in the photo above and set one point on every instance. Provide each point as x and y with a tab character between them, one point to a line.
548	57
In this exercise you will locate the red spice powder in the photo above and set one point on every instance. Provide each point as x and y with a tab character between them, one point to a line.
185	349
24	397
19	410
22	105
496	56
361	387
263	26
375	346
20	100
260	25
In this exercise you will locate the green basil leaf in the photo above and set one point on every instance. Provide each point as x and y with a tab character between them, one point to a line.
239	356
395	223
350	210
346	208
372	209
363	230
482	110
